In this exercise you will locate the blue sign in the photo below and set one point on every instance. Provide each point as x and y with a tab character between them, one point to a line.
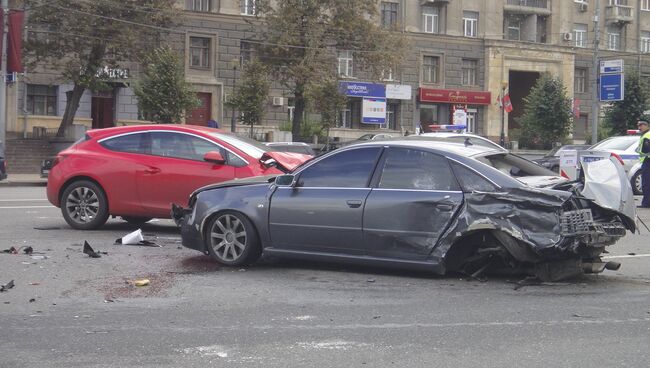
362	89
612	87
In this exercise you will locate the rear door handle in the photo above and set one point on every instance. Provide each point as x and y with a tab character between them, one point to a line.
152	170
354	203
445	207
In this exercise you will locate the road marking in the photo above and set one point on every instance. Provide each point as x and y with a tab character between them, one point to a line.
22	200
628	256
24	207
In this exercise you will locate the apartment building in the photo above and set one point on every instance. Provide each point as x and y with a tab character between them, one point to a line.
463	53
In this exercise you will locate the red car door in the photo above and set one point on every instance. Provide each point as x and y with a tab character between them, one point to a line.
175	168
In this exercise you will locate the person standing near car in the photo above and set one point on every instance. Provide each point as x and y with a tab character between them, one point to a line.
644	151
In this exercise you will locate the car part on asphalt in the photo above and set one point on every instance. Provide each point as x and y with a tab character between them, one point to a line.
419	204
7	286
90	251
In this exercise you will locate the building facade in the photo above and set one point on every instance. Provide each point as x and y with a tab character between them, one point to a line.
464	52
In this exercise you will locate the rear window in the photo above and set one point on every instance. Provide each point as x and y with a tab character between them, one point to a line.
131	143
618	143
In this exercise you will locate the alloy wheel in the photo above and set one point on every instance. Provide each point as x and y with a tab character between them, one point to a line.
228	237
82	205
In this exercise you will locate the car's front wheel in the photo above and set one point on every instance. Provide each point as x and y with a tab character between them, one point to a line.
637	186
84	205
231	239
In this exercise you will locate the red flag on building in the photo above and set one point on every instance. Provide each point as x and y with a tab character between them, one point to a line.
507	104
15	42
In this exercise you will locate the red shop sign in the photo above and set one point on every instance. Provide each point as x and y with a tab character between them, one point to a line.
455	96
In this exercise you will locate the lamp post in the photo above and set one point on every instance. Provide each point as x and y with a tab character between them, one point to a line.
234	63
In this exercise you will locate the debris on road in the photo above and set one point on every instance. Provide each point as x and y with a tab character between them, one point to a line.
7	286
135	238
142	282
11	250
32	300
28	250
38	257
47	228
89	251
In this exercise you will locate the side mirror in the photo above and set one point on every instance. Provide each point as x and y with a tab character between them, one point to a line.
285	180
214	157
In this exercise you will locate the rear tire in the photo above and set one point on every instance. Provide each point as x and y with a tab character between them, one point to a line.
232	240
84	205
636	182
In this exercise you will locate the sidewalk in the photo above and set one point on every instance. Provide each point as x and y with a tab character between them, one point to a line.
23	180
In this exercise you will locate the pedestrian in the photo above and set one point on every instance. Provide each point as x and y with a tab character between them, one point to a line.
644	152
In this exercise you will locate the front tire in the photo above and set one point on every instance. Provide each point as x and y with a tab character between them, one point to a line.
637	184
231	239
84	205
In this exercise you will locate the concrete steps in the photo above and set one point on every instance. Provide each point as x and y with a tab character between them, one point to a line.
24	156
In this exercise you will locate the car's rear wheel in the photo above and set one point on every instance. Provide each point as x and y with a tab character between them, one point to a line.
136	220
231	239
84	205
637	186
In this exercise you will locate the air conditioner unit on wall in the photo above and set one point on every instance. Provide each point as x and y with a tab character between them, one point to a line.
567	36
278	101
583	6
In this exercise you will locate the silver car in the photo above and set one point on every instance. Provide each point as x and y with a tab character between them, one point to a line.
418	204
623	147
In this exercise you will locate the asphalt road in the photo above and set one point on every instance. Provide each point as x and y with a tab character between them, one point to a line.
87	313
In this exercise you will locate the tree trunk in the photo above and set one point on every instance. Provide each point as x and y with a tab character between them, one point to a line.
298	111
72	104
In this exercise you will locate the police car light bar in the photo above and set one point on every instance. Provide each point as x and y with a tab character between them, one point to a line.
632	131
448	127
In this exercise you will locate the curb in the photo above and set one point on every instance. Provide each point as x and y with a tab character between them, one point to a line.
19	183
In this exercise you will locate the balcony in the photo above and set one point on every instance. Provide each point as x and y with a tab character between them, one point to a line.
619	14
541	7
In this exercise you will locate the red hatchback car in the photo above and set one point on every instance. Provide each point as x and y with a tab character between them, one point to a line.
137	172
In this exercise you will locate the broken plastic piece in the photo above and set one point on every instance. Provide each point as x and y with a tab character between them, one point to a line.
28	250
11	250
89	251
142	282
7	286
131	238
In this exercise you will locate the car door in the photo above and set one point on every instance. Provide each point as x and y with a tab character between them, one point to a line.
175	168
323	211
414	197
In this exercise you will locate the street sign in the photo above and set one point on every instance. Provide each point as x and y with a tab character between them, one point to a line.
612	87
611	66
374	111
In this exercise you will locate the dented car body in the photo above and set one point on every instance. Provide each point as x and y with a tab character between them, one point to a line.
422	205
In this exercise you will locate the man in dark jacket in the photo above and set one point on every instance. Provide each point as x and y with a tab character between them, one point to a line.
644	151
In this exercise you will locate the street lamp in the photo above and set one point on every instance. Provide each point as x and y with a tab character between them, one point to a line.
234	63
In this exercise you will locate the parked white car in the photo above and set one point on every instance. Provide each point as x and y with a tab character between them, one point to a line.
635	178
466	138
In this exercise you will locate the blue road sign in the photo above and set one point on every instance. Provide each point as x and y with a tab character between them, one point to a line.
612	87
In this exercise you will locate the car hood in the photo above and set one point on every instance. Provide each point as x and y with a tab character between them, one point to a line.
607	185
546	181
286	161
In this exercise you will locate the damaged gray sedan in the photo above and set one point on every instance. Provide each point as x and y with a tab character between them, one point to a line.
422	205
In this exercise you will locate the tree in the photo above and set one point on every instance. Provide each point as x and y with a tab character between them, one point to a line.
328	100
547	114
251	94
623	115
163	94
301	39
82	37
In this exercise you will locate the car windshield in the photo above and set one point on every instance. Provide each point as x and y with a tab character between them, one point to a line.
249	146
514	165
616	143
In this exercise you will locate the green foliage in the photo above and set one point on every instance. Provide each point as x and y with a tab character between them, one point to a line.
251	93
302	37
623	115
327	99
163	94
547	116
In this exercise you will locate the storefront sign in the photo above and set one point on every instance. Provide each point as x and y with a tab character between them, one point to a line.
362	89
398	91
460	117
374	111
455	96
112	73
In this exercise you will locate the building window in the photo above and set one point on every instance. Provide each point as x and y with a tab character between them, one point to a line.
431	19
392	116
470	23
645	41
513	28
345	63
580	32
645	4
247	52
41	99
199	52
248	7
387	75
389	13
430	69
202	5
470	68
613	37
580	80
